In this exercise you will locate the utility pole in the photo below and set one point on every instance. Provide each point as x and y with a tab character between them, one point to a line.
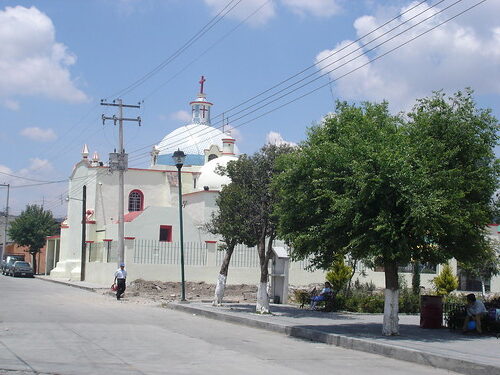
118	161
6	222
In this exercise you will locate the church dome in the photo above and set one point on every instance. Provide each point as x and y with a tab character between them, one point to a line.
209	177
193	138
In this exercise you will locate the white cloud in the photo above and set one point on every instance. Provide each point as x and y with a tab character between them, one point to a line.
453	56
36	167
31	61
183	116
12	104
274	138
38	134
318	8
244	9
234	132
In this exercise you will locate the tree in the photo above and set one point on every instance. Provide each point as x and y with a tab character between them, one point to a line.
251	176
391	189
30	229
446	282
227	222
485	266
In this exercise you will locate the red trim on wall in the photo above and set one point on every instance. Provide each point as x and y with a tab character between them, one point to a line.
129	238
52	237
210	241
89	241
197	102
107	240
64	226
90	222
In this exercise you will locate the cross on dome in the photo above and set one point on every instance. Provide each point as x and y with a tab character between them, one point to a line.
202	81
200	107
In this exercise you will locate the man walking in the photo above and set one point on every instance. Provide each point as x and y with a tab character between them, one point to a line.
120	278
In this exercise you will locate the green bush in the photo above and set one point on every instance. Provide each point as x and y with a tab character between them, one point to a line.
409	302
446	282
300	296
339	274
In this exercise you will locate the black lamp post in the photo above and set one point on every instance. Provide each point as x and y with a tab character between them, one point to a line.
179	158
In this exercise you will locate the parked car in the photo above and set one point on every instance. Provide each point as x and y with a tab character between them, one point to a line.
9	261
21	268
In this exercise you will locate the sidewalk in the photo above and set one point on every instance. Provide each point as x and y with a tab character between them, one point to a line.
465	354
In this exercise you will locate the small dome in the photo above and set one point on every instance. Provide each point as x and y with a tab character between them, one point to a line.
193	139
209	177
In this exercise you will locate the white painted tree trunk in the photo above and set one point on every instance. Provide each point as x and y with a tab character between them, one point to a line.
219	290
262	299
391	309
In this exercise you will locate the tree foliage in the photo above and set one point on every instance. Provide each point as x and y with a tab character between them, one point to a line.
31	228
339	274
392	189
446	282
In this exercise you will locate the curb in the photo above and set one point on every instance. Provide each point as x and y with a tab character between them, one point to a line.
67	283
391	351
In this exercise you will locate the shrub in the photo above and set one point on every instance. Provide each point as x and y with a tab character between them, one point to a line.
409	302
300	296
446	282
339	274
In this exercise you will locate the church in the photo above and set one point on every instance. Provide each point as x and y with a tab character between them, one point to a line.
151	219
151	196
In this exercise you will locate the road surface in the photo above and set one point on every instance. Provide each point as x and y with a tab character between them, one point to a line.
48	328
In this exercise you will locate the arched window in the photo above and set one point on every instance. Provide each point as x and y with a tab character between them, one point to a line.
212	157
135	201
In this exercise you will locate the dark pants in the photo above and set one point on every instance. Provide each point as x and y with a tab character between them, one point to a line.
120	283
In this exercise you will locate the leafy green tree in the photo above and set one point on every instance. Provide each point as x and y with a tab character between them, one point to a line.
446	282
391	189
30	229
251	176
485	266
228	222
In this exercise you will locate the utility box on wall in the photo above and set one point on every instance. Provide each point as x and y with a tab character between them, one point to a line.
279	275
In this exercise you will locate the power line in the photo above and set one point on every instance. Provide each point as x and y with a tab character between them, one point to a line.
207	131
315	64
208	26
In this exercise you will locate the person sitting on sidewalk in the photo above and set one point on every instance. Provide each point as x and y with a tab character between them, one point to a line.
327	290
475	311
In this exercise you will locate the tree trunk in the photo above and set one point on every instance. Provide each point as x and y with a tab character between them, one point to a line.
262	306
33	259
221	279
391	305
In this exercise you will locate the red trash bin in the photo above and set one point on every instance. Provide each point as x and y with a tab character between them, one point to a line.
431	311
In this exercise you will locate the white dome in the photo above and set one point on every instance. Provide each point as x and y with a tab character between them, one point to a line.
209	177
193	139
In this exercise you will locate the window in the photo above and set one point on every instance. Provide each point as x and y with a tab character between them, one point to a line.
212	157
165	233
135	201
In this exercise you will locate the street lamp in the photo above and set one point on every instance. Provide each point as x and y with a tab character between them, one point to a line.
179	158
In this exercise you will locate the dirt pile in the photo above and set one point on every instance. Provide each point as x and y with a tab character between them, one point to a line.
201	291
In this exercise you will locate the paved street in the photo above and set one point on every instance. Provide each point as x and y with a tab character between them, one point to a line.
47	328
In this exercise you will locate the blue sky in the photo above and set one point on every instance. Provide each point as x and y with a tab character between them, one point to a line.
59	58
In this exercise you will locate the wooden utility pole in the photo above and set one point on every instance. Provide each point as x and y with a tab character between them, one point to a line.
118	161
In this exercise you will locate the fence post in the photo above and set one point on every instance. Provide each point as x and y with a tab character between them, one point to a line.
211	253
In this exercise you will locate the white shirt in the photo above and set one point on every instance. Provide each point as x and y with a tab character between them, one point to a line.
476	308
121	274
